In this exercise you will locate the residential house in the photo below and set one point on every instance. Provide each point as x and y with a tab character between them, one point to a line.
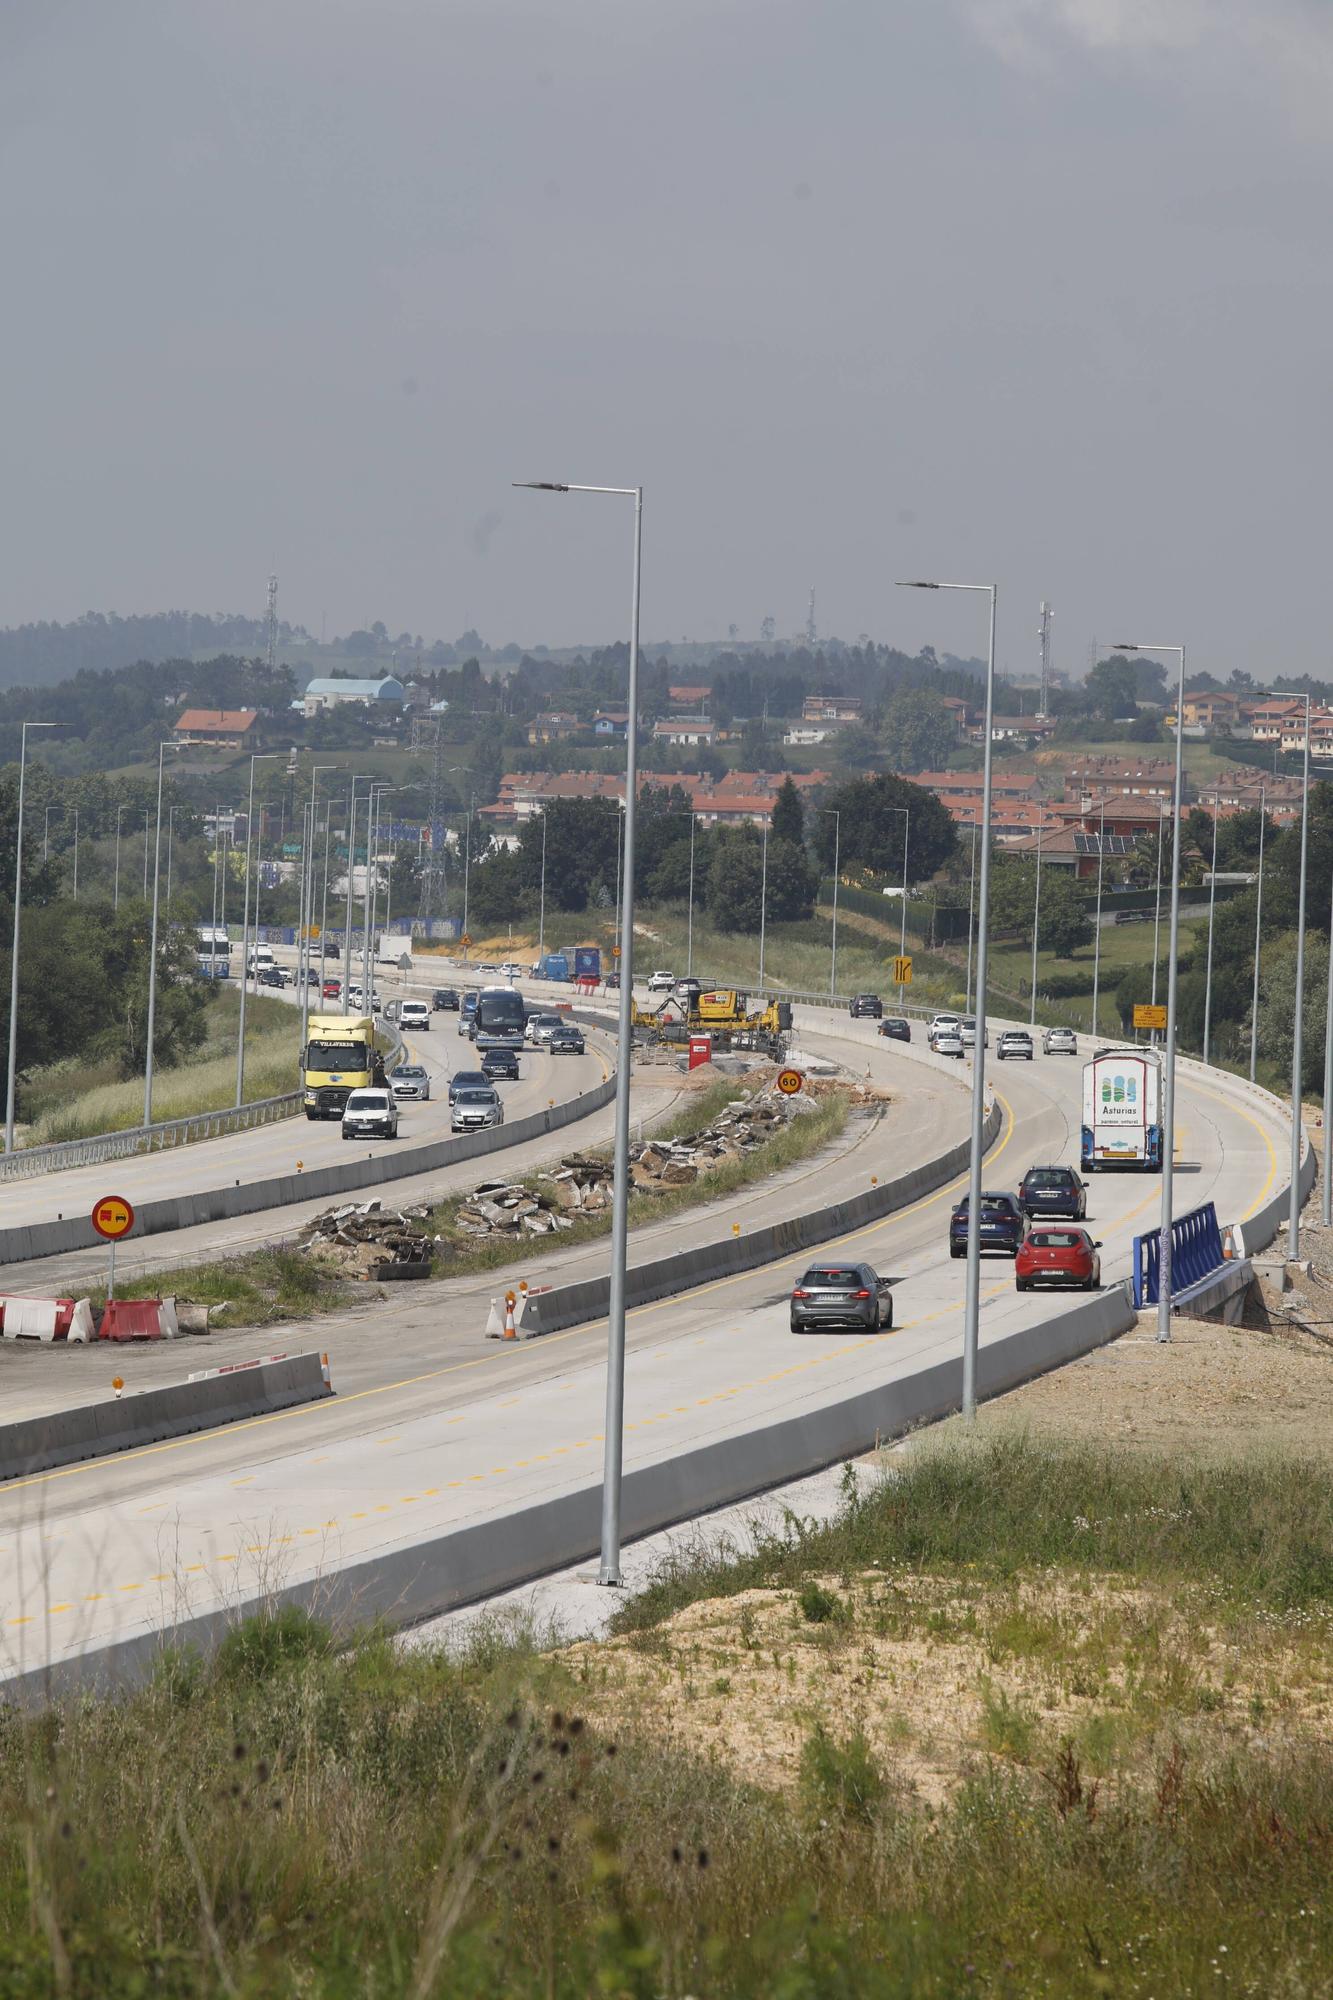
688	730
219	728
610	723
555	726
831	708
689	700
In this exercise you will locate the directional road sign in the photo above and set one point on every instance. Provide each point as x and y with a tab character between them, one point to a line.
902	971
1149	1017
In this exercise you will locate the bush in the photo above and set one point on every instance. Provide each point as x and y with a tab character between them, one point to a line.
274	1641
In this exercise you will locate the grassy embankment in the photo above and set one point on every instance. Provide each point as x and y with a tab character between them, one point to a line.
1023	1720
265	1286
74	1100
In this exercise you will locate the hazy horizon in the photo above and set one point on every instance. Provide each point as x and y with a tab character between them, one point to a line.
1025	290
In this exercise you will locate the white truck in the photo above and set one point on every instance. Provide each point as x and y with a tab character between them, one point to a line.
1122	1110
392	948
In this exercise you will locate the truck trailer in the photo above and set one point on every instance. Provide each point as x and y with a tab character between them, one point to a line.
1122	1110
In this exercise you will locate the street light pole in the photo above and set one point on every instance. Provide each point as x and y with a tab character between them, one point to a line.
1157	919
257	757
1173	953
763	906
76	854
115	901
14	941
906	812
836	817
1258	922
1036	923
162	749
972	1305
689	934
1212	907
1294	1212
541	919
971	915
613	1459
1097	928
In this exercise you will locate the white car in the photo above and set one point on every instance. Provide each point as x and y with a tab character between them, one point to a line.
1059	1042
511	971
948	1042
661	982
541	1027
414	1014
943	1024
967	1029
370	1114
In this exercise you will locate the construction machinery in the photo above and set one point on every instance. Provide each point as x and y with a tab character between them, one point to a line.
724	1014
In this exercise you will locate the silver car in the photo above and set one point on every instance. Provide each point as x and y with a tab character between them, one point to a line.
475	1109
948	1042
1014	1042
410	1080
1059	1042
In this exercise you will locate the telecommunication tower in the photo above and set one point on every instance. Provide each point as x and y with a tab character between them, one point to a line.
1045	632
810	621
272	622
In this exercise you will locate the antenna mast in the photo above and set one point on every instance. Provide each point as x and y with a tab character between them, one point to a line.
810	622
1044	630
272	623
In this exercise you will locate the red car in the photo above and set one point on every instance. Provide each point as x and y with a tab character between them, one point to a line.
333	989
1058	1256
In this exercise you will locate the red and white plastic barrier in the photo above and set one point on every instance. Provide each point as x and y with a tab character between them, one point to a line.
46	1319
139	1319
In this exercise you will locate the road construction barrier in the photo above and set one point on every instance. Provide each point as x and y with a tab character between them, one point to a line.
1196	1250
46	1319
139	1319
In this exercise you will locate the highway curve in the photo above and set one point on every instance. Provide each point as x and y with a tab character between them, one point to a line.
445	1430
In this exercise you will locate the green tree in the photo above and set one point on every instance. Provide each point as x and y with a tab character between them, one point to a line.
792	882
918	732
582	836
1112	689
872	827
788	820
735	873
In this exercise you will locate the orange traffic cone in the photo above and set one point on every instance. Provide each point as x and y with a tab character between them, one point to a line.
511	1331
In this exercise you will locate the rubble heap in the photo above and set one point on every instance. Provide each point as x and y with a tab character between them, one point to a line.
582	1185
366	1240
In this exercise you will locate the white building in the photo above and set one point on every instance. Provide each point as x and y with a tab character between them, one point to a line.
332	693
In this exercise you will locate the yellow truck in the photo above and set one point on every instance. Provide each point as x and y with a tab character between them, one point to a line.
723	1013
340	1056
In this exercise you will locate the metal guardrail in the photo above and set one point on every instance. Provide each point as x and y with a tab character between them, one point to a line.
30	1161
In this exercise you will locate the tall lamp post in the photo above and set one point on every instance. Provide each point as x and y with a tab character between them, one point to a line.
115	899
972	1306
906	812
1036	921
830	812
1173	949
1097	927
257	757
1212	910
541	918
1294	1213
613	1451
763	905
14	941
358	778
1258	925
181	743
308	899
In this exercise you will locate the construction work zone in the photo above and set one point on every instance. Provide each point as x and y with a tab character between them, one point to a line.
725	1016
366	1241
47	1320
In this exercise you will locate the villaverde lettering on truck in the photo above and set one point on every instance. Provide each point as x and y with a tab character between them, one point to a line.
340	1056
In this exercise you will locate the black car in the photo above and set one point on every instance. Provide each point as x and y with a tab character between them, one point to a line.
467	1079
896	1028
842	1295
1053	1191
1002	1225
866	1007
444	1000
612	982
500	1062
566	1040
270	975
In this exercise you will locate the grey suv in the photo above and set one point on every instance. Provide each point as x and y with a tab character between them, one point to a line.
842	1295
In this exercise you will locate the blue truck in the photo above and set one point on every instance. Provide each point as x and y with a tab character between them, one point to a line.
555	965
587	961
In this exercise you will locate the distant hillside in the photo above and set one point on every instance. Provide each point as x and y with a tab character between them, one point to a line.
39	656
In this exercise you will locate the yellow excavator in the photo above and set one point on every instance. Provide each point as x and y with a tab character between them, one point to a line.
725	1014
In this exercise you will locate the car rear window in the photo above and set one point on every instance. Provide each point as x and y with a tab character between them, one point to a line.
1056	1239
1049	1177
833	1277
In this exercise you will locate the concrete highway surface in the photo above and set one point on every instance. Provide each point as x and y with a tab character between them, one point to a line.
440	1430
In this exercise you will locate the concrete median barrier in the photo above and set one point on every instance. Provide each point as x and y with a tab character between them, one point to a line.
155	1218
36	1444
401	1586
554	1307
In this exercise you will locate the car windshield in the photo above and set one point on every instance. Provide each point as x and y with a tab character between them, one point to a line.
476	1097
368	1100
469	1079
1048	1177
548	1020
500	1010
409	1071
1056	1239
837	1276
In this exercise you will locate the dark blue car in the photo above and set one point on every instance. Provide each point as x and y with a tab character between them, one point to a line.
1002	1225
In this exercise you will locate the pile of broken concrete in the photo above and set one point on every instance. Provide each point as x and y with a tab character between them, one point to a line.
366	1240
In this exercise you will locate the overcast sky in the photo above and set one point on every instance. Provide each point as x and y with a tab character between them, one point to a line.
1032	290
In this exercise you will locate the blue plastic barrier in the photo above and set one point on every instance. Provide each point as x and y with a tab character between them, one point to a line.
1196	1249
